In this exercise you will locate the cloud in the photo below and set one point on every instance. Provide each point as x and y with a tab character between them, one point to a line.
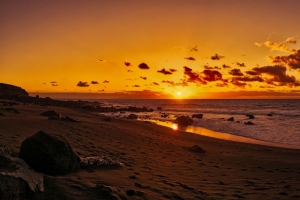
278	75
236	72
145	78
279	46
129	70
248	79
195	48
172	70
238	84
193	77
128	64
190	58
165	72
212	75
292	60
209	67
252	73
53	82
135	86
155	83
240	64
217	57
177	48
226	66
223	84
82	84
94	82
173	84
143	66
105	81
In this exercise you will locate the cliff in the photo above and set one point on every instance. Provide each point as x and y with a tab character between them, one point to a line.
11	90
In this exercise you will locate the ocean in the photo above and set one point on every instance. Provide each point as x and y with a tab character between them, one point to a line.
282	127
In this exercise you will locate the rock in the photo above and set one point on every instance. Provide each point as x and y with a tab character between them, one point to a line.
107	119
17	179
199	116
71	119
248	123
231	119
164	115
51	113
97	161
12	110
11	90
183	120
49	154
250	116
109	193
53	118
132	116
159	108
196	149
237	121
1	114
270	115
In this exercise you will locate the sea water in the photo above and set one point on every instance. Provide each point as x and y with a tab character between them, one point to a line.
283	126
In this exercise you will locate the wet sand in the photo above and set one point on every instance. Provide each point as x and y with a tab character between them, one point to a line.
157	164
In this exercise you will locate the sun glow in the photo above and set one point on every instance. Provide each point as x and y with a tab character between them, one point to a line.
178	93
175	126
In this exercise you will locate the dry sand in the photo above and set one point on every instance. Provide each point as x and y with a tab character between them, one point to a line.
157	164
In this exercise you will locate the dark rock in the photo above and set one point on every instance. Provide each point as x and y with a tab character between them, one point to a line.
196	149
107	119
270	115
183	120
17	179
51	113
71	119
1	114
132	116
237	121
250	116
49	154
248	123
134	193
12	110
53	118
199	116
11	90
159	108
164	115
109	193
231	119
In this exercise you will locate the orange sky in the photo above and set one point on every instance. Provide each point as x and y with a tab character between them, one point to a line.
207	48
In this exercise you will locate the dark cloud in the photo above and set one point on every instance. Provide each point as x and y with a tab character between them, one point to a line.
165	72
135	86
128	64
238	84
209	67
105	81
240	64
129	70
195	48
94	82
190	58
292	60
53	82
154	83
226	66
217	57
82	84
145	78
223	84
252	73
212	75
278	74
143	66
236	72
193	77
172	70
249	79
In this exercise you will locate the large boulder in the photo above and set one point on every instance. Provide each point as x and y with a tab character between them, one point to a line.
183	121
51	113
17	179
49	154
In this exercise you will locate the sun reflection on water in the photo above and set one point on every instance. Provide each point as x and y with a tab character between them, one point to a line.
175	126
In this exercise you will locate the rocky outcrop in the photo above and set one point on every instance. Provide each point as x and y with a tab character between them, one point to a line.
231	119
199	116
7	90
17	179
183	121
51	113
49	154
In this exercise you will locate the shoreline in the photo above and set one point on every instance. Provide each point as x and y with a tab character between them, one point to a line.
223	136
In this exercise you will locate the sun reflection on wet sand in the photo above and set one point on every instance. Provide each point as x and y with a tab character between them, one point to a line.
174	126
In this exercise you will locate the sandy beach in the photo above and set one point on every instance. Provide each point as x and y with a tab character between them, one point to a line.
157	161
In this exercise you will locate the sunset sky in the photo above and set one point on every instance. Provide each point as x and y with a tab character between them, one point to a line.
152	49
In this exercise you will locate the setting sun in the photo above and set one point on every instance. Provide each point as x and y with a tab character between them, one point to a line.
178	93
